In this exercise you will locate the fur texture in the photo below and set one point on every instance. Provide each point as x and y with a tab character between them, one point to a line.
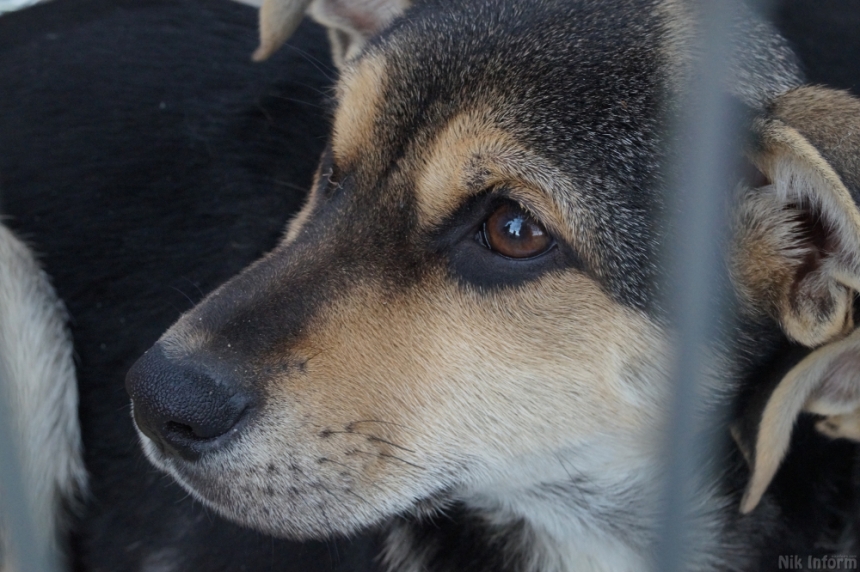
40	390
147	159
225	133
385	364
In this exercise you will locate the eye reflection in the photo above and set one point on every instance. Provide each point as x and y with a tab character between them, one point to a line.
512	232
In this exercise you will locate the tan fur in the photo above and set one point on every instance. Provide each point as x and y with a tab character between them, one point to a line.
830	120
798	391
387	396
278	20
821	127
398	395
350	23
359	97
522	340
401	395
845	426
768	251
471	155
815	309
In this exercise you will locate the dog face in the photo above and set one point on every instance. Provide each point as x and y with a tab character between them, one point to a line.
454	300
467	305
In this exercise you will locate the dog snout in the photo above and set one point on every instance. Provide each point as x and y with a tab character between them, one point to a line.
184	410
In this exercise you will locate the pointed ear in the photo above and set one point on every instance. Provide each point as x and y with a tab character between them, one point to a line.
278	20
798	236
350	23
798	259
826	382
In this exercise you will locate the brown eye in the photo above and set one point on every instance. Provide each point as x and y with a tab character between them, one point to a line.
511	232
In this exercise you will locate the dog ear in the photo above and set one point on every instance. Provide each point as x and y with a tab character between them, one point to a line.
799	235
799	261
350	23
278	20
841	426
826	382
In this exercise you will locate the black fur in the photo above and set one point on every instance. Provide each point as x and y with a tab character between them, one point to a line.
461	540
822	34
146	160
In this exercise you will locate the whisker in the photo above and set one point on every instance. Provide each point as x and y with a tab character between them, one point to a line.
187	297
302	102
321	67
382	423
292	186
322	507
370	437
375	438
202	295
364	500
386	455
351	471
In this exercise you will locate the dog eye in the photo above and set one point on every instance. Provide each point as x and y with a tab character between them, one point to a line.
512	232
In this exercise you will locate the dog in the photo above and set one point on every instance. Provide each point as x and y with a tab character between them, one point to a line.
224	134
461	337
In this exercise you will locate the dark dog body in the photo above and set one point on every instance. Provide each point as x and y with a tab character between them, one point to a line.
146	159
137	520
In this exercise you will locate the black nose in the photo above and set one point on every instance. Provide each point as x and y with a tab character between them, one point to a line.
184	411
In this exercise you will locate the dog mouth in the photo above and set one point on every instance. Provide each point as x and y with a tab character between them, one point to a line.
296	497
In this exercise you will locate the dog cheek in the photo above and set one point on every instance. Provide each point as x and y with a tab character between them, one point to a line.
405	395
454	374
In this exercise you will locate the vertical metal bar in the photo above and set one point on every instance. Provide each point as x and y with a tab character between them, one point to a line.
12	5
27	549
707	134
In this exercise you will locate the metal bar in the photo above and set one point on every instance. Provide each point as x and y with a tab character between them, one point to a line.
13	5
26	549
707	135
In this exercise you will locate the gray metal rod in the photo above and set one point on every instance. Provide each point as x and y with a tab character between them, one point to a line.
28	550
708	135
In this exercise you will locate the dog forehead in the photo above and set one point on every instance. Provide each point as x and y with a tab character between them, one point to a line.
585	86
561	75
572	83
